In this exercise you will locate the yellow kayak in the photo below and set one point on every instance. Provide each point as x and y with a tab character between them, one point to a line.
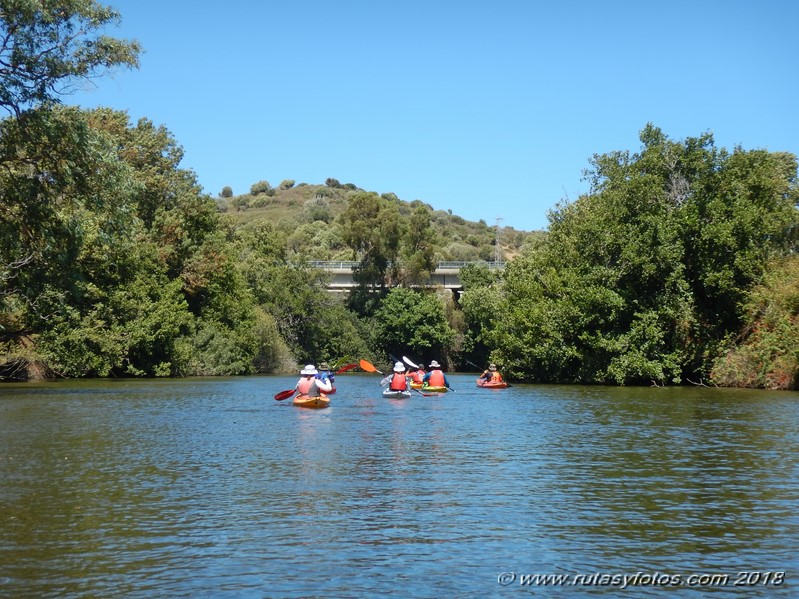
315	403
432	389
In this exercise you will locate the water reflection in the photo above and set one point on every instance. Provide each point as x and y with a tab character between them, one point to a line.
209	487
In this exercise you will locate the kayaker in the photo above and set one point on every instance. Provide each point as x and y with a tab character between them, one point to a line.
325	374
492	374
398	381
436	376
417	376
310	385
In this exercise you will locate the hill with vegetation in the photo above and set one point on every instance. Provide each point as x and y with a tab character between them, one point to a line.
292	209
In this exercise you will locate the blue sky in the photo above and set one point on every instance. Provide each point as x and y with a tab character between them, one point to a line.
490	109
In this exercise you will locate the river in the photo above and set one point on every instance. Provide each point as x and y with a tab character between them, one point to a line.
211	488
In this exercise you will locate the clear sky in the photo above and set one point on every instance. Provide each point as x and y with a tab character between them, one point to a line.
492	109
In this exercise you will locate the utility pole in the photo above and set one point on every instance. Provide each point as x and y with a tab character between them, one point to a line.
497	248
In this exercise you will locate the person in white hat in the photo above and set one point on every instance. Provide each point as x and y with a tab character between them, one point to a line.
398	381
310	385
435	376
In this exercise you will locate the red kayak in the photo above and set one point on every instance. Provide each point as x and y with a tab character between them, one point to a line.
491	384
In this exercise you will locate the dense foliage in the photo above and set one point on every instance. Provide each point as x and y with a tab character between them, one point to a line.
642	280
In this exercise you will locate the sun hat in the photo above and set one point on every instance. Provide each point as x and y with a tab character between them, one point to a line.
310	369
435	364
399	367
324	366
492	366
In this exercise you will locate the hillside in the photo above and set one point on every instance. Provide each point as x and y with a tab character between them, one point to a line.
291	209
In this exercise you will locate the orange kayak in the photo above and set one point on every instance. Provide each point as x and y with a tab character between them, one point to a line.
316	403
491	384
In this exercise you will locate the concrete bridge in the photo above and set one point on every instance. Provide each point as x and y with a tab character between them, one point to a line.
446	274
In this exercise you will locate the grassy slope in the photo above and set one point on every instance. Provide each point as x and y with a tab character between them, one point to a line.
458	238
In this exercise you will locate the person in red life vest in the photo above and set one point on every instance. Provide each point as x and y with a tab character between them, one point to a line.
492	374
436	377
397	381
417	376
310	385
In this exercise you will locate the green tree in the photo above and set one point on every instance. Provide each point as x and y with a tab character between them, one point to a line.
481	306
372	228
641	280
261	187
412	321
317	209
49	46
419	242
766	352
67	206
227	192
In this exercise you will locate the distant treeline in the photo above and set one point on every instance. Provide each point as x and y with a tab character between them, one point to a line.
678	267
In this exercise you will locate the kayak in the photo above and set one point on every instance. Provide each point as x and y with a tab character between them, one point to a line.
391	394
316	403
491	384
433	389
415	385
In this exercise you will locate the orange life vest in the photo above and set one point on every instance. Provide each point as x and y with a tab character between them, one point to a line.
436	379
398	382
417	376
307	386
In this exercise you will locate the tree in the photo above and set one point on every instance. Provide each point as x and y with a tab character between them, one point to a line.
766	353
419	247
317	209
227	192
261	187
481	308
48	46
643	278
372	228
412	321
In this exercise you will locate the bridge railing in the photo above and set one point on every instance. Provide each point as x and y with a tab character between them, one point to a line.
444	265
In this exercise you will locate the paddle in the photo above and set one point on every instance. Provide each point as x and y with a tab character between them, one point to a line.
345	368
368	367
284	394
409	363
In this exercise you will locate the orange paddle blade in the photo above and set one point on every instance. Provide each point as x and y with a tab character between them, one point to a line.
284	394
368	366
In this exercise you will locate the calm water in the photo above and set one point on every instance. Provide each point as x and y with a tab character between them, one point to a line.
210	488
